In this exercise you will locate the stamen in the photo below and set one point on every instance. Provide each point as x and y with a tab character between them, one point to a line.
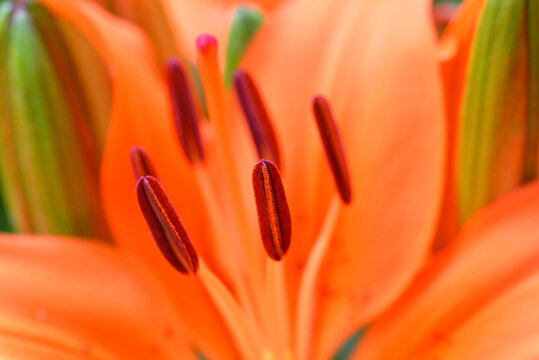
184	113
333	146
272	207
216	100
141	163
166	226
257	117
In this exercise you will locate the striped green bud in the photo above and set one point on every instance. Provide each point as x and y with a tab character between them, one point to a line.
54	109
498	128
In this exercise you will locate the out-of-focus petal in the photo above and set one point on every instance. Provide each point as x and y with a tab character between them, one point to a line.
476	299
140	117
70	298
504	329
376	63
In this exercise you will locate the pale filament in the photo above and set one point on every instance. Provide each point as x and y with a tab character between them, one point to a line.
216	102
305	306
278	308
243	283
243	330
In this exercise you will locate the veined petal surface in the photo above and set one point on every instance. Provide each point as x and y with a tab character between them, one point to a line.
477	298
376	62
67	298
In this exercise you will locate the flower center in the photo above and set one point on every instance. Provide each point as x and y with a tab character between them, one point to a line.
255	306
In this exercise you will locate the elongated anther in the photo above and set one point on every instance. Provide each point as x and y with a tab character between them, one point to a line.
257	117
184	112
166	226
141	163
272	207
333	146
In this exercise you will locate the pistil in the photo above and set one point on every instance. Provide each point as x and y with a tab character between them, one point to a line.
214	91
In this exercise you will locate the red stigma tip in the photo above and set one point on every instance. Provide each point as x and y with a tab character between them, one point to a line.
331	139
141	163
183	111
166	226
272	208
206	42
257	117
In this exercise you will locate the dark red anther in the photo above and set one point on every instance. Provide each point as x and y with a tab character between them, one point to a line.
333	146
184	112
257	117
272	207
166	226
141	163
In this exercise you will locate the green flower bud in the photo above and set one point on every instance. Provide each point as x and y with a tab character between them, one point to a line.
498	128
244	25
54	109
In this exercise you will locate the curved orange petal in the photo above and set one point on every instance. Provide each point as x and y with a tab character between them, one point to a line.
140	116
70	298
489	273
376	63
455	48
17	348
504	329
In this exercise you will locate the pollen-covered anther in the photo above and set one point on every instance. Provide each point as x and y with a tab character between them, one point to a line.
257	117
141	163
166	226
272	207
184	112
331	139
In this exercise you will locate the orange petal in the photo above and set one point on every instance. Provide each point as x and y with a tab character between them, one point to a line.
393	122
477	297
376	63
504	329
188	19
66	298
454	52
140	116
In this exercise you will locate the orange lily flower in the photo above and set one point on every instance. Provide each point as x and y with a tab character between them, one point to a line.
380	230
385	91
